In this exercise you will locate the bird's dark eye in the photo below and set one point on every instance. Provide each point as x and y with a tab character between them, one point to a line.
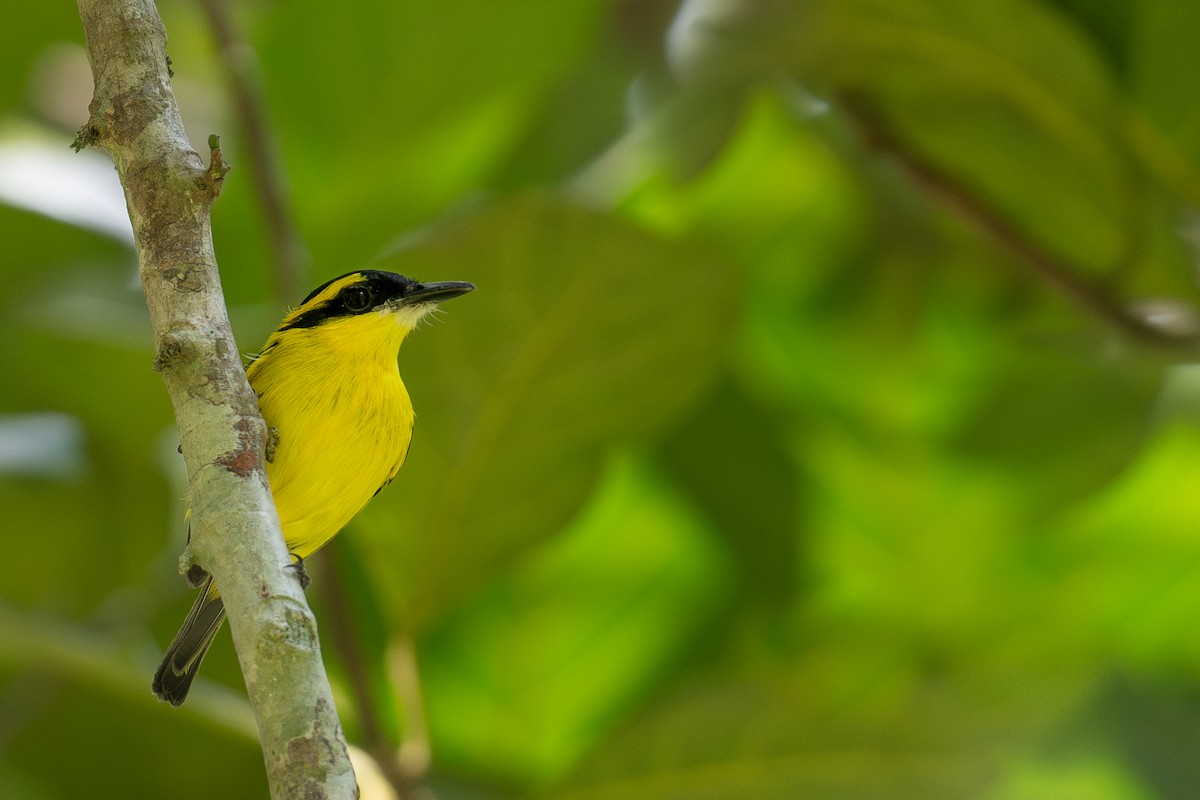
356	299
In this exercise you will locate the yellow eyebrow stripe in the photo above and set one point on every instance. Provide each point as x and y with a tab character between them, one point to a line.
324	296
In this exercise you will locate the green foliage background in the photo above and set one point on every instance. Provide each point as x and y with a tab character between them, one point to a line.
771	458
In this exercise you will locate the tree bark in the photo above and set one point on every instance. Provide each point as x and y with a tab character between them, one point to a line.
235	530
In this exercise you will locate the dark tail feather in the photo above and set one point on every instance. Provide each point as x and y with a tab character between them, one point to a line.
182	661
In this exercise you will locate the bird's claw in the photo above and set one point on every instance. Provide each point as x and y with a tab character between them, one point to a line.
301	574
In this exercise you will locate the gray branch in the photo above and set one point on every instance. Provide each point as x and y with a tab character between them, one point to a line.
235	530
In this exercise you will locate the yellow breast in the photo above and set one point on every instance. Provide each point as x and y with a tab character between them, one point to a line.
344	421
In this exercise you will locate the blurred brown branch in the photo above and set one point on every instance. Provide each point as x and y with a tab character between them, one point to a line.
1051	269
404	777
288	255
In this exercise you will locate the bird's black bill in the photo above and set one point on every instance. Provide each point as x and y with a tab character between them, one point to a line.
434	292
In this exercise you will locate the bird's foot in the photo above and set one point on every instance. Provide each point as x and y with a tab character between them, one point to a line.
301	574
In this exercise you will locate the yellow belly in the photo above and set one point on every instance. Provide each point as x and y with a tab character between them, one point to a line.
343	431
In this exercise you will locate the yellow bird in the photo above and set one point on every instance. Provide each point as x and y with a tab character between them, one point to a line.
328	384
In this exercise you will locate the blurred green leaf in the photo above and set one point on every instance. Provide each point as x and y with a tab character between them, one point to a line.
68	362
584	332
738	472
1110	23
438	89
24	40
1087	777
1157	729
1035	397
1025	126
1137	541
1162	59
521	688
752	740
1009	100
